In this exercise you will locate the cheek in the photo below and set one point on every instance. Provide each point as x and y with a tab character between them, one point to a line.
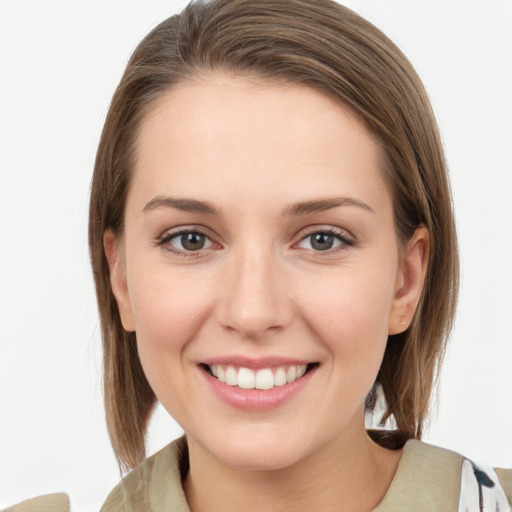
349	313
168	307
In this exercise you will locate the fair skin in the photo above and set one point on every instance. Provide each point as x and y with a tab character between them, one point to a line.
259	233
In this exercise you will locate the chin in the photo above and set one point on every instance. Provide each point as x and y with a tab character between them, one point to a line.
261	450
256	459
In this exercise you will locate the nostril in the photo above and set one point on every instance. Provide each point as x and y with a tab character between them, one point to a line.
253	300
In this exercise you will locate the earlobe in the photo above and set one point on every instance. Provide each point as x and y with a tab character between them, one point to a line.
410	281
118	282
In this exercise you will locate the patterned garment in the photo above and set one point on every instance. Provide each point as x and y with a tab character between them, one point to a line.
480	490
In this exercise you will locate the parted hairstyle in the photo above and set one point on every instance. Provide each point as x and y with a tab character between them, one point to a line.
325	46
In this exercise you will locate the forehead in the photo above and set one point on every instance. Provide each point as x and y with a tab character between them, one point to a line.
223	134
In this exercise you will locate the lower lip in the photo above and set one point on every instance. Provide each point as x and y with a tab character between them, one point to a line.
256	399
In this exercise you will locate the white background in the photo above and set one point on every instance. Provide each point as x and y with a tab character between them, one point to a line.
59	64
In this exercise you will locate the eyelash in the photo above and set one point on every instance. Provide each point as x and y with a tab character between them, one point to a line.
165	242
345	241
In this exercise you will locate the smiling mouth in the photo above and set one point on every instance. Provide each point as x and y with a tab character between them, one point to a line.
262	378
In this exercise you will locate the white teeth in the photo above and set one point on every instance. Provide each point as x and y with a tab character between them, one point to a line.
280	377
291	373
231	376
263	379
301	370
246	378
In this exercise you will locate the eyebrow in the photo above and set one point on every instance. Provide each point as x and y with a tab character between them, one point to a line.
301	208
321	205
185	204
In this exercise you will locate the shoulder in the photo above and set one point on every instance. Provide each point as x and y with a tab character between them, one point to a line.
153	485
430	478
482	484
48	503
477	483
505	479
427	480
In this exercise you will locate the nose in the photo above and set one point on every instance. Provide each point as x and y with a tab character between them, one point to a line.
255	299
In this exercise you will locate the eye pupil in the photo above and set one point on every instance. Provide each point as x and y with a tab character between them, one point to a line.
192	241
322	241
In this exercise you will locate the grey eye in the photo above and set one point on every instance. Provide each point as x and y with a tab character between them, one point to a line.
321	241
190	241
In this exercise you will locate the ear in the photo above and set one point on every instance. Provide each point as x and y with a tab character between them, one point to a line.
114	253
409	281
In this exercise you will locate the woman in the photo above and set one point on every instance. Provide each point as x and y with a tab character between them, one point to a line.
270	214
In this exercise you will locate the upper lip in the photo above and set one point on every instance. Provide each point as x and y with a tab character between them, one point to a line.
249	362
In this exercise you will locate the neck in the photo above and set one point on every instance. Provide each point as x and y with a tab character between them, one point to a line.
350	473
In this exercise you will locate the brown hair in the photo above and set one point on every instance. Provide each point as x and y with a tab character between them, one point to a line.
323	45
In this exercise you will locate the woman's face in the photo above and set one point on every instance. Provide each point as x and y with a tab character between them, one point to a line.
259	243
